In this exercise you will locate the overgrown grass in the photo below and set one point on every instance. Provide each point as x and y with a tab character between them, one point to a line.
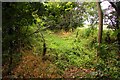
80	49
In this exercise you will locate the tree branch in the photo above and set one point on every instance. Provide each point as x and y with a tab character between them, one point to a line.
38	30
111	21
115	7
34	32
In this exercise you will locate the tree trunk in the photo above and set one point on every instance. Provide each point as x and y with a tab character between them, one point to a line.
44	47
118	35
116	7
10	58
100	30
100	14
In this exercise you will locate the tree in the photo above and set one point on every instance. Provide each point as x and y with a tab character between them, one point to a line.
90	13
15	18
100	14
61	15
116	6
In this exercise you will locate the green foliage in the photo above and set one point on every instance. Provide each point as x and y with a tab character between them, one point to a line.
108	61
61	15
82	52
19	17
22	28
69	52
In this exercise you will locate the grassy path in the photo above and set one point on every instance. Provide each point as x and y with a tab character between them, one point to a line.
66	59
57	42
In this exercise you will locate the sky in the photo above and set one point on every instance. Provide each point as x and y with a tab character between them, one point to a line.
104	5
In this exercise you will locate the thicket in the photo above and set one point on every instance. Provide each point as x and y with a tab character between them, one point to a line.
36	26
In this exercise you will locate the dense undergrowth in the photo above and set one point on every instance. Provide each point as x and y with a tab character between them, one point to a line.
67	51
